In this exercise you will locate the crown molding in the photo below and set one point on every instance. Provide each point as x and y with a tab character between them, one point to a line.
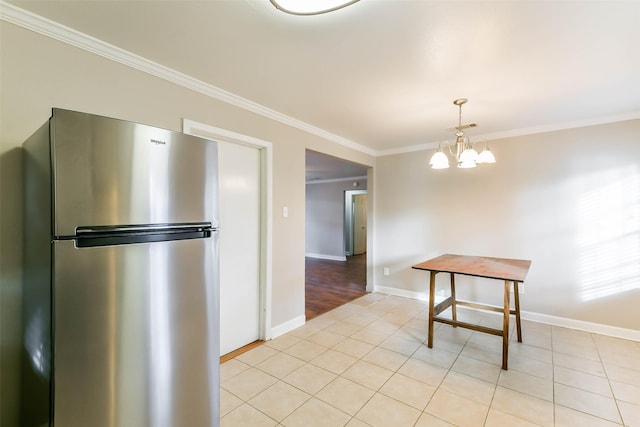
520	132
36	23
562	126
62	33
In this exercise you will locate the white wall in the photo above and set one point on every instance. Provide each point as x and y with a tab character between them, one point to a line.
567	200
325	216
38	73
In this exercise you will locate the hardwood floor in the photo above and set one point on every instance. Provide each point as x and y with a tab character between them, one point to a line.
329	284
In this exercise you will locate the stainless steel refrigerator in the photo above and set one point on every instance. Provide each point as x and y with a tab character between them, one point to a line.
121	323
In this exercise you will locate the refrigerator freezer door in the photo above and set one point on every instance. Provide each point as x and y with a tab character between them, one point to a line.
114	172
136	334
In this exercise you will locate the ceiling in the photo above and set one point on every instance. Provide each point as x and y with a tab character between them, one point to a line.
321	167
382	74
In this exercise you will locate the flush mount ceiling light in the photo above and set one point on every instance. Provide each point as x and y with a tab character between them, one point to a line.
465	154
310	7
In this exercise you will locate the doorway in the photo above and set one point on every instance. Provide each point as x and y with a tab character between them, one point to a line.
355	222
334	274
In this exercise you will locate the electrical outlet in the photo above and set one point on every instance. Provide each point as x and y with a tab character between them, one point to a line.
385	271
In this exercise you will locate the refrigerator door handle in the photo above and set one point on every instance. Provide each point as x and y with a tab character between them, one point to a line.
87	237
143	228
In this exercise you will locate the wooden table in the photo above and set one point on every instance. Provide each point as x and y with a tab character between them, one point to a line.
510	270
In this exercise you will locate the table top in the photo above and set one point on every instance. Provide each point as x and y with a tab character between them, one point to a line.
514	270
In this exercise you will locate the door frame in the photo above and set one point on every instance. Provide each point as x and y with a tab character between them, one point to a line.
202	130
348	219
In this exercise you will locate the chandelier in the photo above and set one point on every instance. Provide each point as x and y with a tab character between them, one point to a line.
465	154
310	7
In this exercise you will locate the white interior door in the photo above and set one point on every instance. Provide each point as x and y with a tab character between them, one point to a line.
239	174
359	224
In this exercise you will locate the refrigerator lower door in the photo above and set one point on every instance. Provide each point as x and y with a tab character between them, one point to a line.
136	334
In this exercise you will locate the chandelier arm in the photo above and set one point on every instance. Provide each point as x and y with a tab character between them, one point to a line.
451	153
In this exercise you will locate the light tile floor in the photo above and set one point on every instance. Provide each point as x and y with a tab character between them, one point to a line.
366	364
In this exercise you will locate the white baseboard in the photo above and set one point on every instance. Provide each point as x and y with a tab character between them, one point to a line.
330	257
287	326
422	296
595	328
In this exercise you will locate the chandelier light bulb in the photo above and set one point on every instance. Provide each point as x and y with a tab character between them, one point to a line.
472	153
439	160
467	164
486	156
468	155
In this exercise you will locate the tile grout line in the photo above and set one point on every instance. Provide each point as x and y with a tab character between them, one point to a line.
606	376
604	368
406	331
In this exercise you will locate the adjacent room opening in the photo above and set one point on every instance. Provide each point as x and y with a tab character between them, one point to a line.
336	232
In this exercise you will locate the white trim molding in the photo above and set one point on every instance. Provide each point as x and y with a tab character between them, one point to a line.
421	296
38	24
266	238
329	257
634	115
57	31
287	326
594	328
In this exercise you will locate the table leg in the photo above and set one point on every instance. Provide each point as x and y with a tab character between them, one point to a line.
453	298
516	301
432	295
505	326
